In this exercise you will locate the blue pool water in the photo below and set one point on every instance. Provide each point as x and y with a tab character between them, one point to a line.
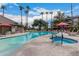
64	40
8	45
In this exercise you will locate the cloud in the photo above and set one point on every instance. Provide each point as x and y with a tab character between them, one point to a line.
38	9
36	15
33	13
17	18
16	4
75	11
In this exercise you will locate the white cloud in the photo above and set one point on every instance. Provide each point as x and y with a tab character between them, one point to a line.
17	18
33	13
39	10
49	15
16	4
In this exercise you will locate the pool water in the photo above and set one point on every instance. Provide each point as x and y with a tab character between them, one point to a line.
9	45
64	40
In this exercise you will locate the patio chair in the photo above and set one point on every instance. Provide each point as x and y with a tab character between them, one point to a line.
72	33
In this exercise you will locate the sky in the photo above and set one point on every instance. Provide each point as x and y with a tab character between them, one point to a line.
12	10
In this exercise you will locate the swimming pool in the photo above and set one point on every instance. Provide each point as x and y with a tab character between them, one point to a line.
9	45
64	40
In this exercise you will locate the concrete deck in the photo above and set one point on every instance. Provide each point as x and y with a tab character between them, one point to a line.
42	46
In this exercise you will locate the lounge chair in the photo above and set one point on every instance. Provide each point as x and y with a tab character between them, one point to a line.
72	33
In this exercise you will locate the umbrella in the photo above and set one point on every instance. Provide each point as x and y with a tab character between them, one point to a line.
62	25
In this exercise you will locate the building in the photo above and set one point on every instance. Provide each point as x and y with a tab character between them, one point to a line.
75	20
8	26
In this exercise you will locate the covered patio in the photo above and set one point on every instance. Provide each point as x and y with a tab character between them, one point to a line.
5	28
8	26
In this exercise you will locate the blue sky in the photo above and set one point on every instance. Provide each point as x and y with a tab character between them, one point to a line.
12	8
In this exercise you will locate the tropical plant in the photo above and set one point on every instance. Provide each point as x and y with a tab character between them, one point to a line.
21	8
72	14
42	15
40	23
3	8
67	19
47	16
27	14
51	19
59	18
77	26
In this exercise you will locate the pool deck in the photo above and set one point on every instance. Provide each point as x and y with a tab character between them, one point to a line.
42	46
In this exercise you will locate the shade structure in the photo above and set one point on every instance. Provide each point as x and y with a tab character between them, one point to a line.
5	24
62	24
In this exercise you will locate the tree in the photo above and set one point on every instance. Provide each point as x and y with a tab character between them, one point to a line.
60	15
3	8
51	19
21	8
40	23
77	25
72	14
42	15
55	22
59	18
27	14
68	19
47	16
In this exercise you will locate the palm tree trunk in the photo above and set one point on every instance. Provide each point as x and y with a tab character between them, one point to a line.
72	14
3	12
27	21
47	21
40	23
46	17
42	16
51	21
21	17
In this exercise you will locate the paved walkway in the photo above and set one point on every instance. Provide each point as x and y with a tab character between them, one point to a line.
42	46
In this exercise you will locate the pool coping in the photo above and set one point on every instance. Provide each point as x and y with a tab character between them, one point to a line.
71	37
13	35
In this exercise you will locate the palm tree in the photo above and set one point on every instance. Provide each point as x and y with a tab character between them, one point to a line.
59	15
51	19
78	25
40	23
72	13
42	15
46	15
27	14
3	8
41	18
21	8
